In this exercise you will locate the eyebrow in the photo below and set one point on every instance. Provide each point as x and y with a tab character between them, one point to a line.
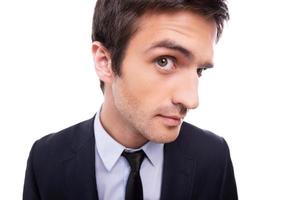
170	44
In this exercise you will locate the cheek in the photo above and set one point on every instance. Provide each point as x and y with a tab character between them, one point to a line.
142	81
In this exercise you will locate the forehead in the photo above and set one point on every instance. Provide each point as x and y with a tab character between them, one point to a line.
188	29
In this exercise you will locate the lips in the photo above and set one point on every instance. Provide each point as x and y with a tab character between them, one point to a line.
171	117
171	120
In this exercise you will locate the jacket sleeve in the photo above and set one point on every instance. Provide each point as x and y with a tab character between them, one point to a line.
228	187
30	191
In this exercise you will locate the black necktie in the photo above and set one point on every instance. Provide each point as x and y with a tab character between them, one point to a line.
134	189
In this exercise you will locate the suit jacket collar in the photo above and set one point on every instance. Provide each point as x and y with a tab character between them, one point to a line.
79	166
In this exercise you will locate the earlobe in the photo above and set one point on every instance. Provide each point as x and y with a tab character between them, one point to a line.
102	60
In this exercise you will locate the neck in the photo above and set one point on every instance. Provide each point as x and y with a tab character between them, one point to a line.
118	127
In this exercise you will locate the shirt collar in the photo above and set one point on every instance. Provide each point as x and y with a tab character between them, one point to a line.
110	150
154	152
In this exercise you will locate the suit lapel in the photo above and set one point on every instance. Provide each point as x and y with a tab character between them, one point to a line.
79	167
178	173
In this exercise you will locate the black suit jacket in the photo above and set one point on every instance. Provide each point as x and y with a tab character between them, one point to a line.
197	166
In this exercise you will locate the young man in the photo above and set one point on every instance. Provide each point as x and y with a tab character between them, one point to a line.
149	56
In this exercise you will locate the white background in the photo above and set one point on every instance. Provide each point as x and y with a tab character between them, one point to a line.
251	97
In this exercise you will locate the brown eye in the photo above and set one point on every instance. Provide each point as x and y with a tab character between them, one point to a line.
166	63
162	62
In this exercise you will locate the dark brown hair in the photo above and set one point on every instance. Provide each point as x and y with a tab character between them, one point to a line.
115	21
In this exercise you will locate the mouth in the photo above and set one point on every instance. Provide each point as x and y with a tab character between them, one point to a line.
171	120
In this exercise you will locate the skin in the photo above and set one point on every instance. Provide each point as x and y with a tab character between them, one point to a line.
159	77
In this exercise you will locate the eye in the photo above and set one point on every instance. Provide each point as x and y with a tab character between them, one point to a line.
165	62
200	70
162	62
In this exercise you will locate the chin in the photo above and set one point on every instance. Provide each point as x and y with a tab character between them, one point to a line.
165	136
160	133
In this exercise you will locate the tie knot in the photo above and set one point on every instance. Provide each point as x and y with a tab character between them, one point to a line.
134	159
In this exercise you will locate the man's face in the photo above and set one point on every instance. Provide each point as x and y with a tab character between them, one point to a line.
160	73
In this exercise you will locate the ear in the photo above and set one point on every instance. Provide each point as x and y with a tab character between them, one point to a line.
102	60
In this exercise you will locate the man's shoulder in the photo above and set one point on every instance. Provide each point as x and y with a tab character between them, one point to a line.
196	141
191	133
64	141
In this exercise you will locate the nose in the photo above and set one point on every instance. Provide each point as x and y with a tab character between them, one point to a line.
186	91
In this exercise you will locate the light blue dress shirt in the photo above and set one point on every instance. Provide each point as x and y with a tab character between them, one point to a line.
112	169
